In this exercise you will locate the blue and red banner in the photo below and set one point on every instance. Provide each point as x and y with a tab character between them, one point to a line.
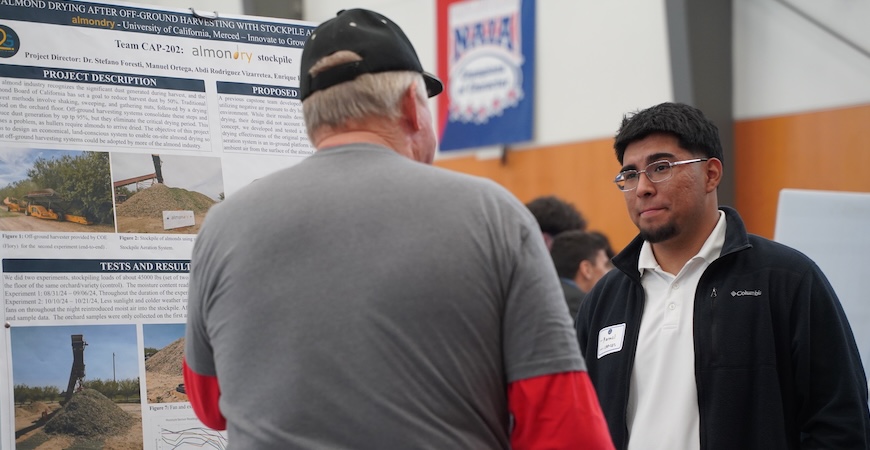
486	52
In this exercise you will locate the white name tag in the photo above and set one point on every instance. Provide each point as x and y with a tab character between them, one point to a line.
610	339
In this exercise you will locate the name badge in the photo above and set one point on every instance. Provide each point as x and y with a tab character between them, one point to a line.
610	339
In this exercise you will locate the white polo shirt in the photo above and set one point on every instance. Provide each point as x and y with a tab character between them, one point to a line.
663	399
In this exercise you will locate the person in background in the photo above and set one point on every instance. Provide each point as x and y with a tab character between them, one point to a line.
581	260
707	337
608	250
555	216
382	303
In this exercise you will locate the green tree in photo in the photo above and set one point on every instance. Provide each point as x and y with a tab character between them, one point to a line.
82	183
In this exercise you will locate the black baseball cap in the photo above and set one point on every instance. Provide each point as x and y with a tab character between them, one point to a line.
380	42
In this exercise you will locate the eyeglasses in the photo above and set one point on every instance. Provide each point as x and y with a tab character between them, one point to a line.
656	172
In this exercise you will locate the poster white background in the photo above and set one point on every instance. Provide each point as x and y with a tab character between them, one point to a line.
831	228
114	116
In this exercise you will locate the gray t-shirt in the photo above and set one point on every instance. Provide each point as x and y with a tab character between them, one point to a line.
362	300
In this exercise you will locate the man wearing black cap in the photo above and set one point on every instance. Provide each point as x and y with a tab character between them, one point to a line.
380	303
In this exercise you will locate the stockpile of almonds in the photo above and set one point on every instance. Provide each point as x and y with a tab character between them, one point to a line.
153	201
89	414
168	359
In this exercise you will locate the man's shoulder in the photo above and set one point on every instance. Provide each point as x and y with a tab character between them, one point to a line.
571	290
611	301
459	187
768	252
610	290
464	179
388	159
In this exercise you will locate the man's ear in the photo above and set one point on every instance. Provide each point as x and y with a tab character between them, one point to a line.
585	269
410	105
713	174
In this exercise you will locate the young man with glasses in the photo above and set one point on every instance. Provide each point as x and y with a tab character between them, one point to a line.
706	337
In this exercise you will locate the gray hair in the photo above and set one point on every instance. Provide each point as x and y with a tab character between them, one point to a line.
369	95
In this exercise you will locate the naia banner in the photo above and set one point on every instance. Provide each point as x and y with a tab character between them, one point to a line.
486	52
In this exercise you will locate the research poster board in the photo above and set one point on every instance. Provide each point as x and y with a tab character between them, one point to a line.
831	228
120	126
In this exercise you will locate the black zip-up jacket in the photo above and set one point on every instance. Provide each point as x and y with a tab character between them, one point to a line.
776	364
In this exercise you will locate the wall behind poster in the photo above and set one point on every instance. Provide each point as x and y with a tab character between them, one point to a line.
120	126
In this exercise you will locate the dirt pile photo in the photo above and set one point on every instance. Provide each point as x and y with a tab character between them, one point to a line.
167	360
163	374
35	407
89	414
153	201
143	211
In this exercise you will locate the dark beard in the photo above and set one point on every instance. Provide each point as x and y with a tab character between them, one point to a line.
659	235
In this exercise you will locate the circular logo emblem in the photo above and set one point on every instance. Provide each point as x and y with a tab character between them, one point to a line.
9	43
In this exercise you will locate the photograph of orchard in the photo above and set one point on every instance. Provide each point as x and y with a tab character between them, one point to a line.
55	190
76	387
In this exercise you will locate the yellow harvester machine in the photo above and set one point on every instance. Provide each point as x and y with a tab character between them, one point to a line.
47	204
13	204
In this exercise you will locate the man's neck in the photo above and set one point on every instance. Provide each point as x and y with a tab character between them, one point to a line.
673	254
352	137
374	133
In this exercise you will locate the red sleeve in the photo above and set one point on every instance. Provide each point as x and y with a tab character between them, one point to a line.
204	394
558	411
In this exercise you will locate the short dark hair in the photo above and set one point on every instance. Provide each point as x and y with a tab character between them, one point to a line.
555	215
608	250
694	131
573	247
